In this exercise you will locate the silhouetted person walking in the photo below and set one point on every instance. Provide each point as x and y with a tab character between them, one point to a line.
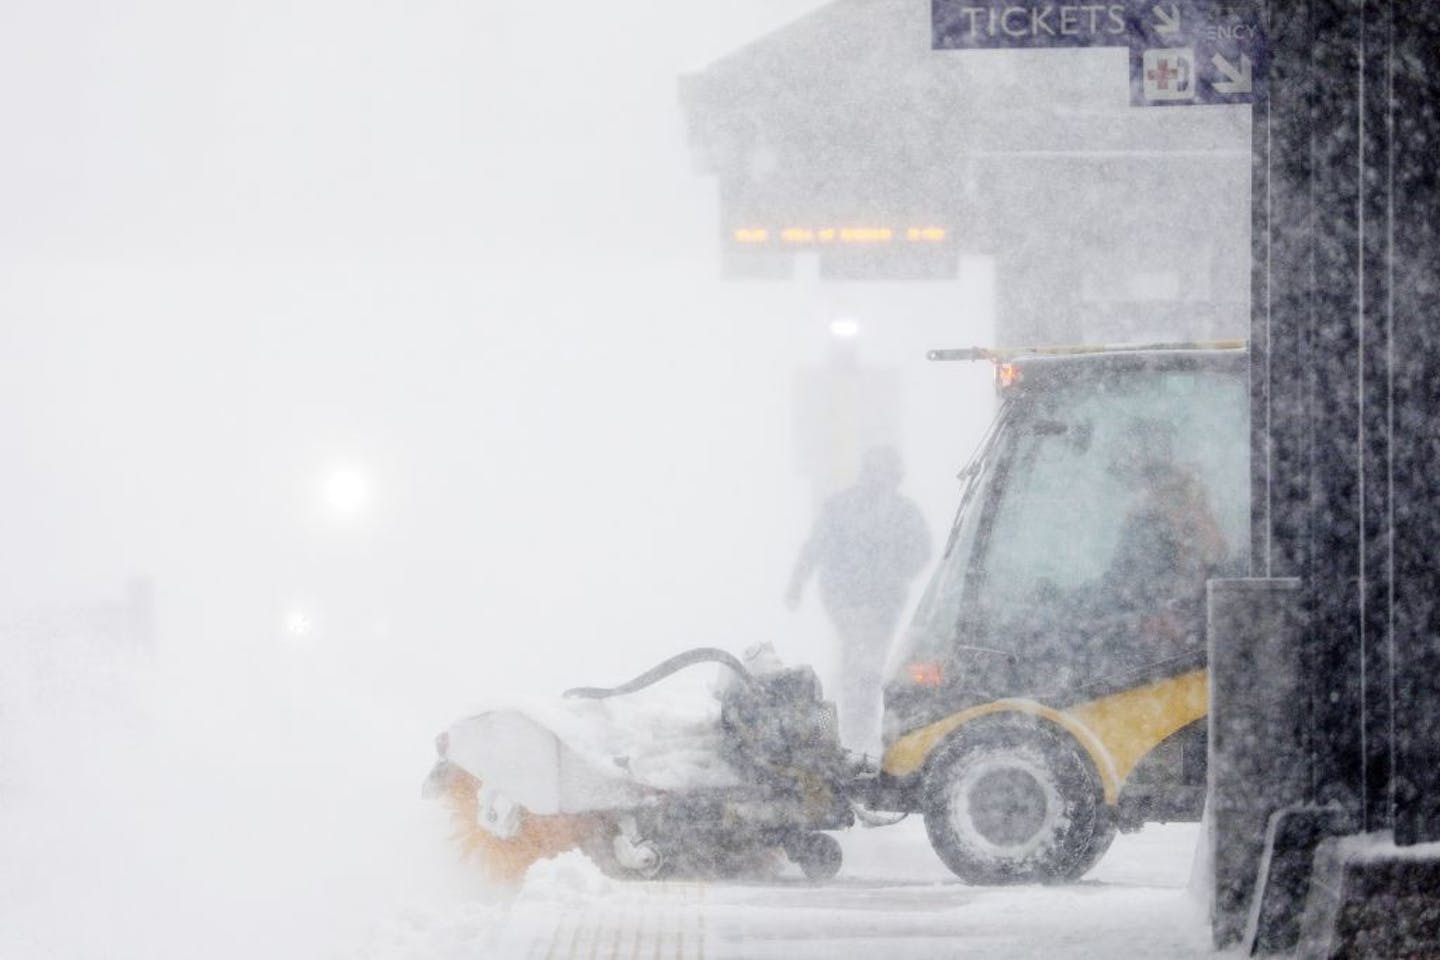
868	543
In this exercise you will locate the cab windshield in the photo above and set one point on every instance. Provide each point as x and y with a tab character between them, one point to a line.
1107	505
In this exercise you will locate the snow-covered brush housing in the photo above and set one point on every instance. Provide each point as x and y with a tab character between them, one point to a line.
654	782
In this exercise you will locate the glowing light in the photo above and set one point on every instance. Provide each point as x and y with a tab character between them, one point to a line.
925	674
866	235
801	236
845	328
925	234
298	625
346	491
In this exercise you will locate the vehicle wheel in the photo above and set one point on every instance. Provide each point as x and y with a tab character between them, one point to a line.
704	859
817	854
598	845
1015	800
645	861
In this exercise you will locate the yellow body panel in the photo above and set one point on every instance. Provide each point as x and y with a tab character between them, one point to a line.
1133	723
1117	731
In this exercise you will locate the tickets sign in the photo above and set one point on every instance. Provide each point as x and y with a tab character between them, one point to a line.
982	25
1181	51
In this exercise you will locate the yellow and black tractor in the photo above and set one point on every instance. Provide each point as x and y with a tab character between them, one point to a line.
1052	688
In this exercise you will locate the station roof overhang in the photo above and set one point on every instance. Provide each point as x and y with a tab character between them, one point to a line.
846	119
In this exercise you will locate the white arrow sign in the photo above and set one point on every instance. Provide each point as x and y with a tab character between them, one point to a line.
1236	81
1169	24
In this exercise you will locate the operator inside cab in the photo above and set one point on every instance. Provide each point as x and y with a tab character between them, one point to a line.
1170	544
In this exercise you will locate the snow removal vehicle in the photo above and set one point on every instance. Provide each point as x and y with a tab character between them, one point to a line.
1050	690
709	784
1052	686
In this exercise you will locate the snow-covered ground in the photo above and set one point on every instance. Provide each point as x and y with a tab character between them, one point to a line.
893	899
149	812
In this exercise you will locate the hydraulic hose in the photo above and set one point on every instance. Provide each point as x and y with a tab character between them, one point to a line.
662	670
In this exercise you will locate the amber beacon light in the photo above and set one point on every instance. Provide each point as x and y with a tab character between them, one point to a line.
925	674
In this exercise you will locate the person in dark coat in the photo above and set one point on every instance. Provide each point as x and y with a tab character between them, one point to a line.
868	543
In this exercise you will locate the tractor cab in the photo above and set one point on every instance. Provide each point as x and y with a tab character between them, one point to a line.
1052	684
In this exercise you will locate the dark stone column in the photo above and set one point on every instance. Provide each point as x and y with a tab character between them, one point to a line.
1259	744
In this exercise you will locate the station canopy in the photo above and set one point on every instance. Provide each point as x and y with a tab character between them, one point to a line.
844	135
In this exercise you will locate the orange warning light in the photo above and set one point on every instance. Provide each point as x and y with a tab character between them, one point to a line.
804	236
1007	375
924	674
866	234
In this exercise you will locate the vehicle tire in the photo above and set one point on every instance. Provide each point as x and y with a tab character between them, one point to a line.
599	845
1013	799
703	852
817	854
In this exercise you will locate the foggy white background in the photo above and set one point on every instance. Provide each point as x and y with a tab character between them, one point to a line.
459	250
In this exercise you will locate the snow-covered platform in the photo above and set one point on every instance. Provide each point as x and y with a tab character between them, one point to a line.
893	900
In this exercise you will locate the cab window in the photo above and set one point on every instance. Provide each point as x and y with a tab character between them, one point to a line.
1121	497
